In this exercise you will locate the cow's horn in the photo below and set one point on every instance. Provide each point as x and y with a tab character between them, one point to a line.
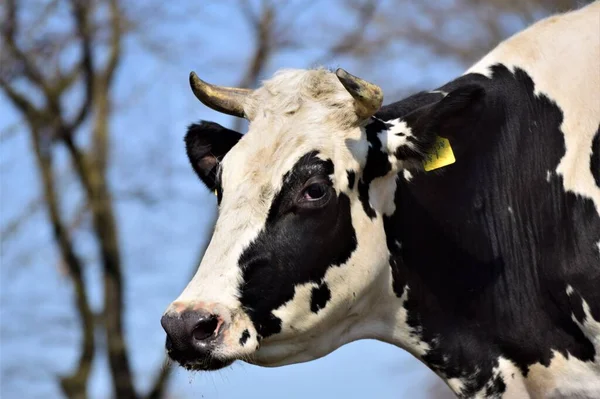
367	96
228	100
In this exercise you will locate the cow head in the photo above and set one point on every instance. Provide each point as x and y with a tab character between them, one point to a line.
298	264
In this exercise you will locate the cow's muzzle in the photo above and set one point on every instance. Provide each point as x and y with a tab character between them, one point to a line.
193	336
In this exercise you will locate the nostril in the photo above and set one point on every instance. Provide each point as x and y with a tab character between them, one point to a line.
205	328
168	344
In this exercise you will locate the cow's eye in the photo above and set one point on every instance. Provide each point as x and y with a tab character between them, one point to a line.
315	191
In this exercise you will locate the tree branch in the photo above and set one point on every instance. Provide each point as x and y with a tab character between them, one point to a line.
352	39
100	135
29	67
81	15
263	30
9	32
91	173
26	107
75	385
116	28
94	183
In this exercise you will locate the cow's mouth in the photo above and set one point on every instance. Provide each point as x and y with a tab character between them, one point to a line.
197	358
198	361
206	364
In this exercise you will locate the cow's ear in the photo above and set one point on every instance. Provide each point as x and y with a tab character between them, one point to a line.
456	112
206	144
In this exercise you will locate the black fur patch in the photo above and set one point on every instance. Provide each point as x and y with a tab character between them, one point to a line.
351	178
244	337
595	158
286	253
363	196
489	246
576	304
219	186
206	143
495	388
404	107
405	153
319	297
377	164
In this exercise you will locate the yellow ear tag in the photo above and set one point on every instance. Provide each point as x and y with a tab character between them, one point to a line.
440	155
215	193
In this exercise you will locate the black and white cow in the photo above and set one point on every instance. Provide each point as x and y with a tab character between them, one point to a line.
330	229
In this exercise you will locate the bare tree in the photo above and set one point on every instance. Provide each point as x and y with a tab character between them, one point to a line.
35	80
35	61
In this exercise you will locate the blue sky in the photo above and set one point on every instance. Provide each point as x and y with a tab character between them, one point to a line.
161	237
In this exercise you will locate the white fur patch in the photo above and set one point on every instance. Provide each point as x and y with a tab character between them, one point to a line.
399	127
564	378
456	385
403	335
569	377
381	195
439	92
569	289
591	328
392	139
395	137
512	377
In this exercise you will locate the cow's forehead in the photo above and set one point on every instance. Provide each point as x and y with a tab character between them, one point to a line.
294	113
308	92
256	165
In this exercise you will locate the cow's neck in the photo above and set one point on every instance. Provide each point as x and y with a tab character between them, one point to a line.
440	262
442	268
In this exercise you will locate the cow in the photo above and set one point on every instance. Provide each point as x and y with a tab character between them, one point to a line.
461	224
